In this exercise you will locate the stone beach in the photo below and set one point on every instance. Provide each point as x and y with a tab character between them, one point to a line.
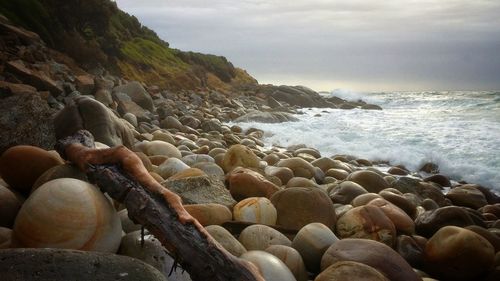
302	215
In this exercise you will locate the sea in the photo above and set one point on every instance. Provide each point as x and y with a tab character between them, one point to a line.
457	130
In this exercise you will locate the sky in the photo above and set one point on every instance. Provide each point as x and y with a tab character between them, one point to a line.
361	45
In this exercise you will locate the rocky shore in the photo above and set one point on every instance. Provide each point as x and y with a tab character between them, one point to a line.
294	213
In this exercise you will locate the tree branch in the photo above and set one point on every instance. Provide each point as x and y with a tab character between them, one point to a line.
120	172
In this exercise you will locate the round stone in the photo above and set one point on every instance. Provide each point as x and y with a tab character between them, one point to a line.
68	213
245	183
364	199
467	196
57	172
299	206
301	182
283	173
299	166
226	239
311	242
239	156
256	210
271	268
20	166
10	203
371	181
455	253
399	218
5	238
259	237
209	213
371	253
158	147
368	222
291	258
171	167
346	191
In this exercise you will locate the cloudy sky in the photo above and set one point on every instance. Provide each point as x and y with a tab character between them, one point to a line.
363	45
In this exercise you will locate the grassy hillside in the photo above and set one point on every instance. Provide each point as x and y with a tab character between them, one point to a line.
96	32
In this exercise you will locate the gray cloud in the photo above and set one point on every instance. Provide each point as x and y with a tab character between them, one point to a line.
360	44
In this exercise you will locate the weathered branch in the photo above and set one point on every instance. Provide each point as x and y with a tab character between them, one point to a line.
119	172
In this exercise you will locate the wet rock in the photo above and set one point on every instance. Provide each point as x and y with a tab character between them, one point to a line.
439	179
467	196
11	202
455	253
429	222
299	166
411	250
266	117
371	181
346	191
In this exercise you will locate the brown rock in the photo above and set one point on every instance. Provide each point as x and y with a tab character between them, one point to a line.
299	206
36	78
399	218
399	200
337	173
488	235
363	199
20	166
372	253
5	238
301	182
439	179
85	84
210	213
371	181
239	156
283	173
431	221
244	183
397	171
368	222
455	253
299	166
467	196
346	191
411	250
57	172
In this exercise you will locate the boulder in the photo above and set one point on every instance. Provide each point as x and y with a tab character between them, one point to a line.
89	114
371	181
11	202
226	240
255	210
244	183
259	237
137	93
299	206
239	156
34	77
467	196
429	222
299	166
271	268
372	253
26	118
455	253
266	117
368	222
209	213
350	270
291	258
62	265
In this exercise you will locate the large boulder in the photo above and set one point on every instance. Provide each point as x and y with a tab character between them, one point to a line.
299	206
137	93
89	114
26	118
59	265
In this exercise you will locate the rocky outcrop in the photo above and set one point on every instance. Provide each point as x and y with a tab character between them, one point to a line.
266	117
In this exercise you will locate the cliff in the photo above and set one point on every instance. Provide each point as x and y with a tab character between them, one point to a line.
96	34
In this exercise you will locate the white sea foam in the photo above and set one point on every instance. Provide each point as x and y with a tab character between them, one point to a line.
459	131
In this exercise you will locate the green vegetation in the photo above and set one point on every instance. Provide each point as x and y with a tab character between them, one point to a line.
96	32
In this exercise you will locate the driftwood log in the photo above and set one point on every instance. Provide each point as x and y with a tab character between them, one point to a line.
120	172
